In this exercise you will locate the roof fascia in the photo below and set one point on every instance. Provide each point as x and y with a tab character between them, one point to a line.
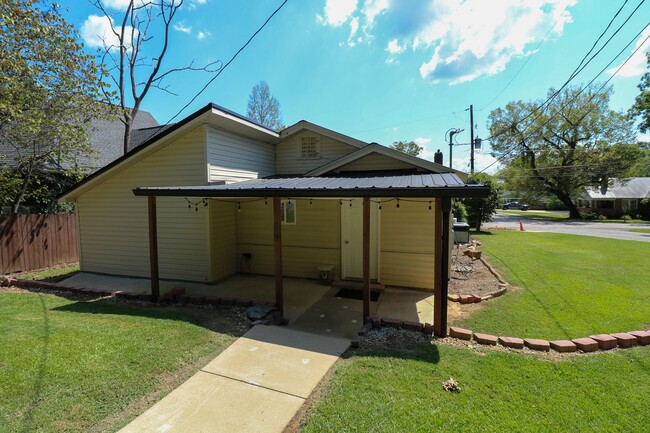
304	125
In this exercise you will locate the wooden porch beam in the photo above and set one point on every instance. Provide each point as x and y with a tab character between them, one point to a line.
277	246
440	301
366	258
153	249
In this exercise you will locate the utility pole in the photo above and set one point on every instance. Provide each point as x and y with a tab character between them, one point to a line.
471	139
452	132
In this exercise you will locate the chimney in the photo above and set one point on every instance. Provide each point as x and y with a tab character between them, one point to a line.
437	157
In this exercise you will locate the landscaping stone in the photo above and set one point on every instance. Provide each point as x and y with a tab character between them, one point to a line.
196	300
586	344
511	342
605	341
356	342
412	326
454	298
463	334
393	323
243	302
537	344
376	322
625	340
563	346
475	299
428	329
485	339
365	328
642	337
259	312
466	299
212	300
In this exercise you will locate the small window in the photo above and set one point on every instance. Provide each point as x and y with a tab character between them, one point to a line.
309	148
288	211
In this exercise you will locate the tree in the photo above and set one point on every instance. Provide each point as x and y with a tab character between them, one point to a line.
480	210
641	107
129	50
48	93
641	167
573	142
408	147
264	108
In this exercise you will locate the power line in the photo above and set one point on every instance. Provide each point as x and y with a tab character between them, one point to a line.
585	87
580	66
527	60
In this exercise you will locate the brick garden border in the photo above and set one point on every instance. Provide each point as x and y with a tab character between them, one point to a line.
473	299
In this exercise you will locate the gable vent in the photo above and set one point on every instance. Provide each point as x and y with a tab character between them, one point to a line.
309	148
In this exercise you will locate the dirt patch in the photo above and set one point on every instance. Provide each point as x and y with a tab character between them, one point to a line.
471	277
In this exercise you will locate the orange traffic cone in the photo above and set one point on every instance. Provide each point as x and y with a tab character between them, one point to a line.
521	225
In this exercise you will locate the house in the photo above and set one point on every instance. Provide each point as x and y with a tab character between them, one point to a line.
217	194
620	197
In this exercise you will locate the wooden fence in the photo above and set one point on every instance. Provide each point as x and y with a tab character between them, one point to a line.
29	242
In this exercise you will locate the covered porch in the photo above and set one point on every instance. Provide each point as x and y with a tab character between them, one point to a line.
437	189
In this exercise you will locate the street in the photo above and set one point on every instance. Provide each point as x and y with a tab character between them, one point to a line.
585	228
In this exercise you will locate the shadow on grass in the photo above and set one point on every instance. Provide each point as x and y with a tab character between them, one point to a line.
424	352
225	320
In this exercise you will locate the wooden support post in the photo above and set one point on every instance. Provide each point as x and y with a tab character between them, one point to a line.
153	250
366	258
440	302
277	245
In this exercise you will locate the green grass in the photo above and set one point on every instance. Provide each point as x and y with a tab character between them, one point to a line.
537	214
75	366
573	286
50	273
400	391
639	230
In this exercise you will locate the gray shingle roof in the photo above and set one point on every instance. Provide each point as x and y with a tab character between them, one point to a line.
636	187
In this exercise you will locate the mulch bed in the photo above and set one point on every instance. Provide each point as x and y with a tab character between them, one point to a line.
470	277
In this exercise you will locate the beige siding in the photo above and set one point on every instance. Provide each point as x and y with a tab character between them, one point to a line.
233	158
375	161
113	227
407	244
287	154
223	235
313	241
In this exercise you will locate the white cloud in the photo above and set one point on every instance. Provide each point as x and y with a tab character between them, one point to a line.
638	63
202	35
394	47
119	5
181	27
644	138
422	140
463	39
337	12
97	32
354	27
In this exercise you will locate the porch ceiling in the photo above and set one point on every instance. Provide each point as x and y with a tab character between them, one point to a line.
421	185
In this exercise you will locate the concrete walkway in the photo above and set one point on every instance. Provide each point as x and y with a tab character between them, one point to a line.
255	385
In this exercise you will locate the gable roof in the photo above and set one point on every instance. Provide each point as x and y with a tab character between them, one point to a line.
304	125
386	151
212	114
635	187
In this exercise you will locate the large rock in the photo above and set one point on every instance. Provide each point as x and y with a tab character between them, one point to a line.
259	312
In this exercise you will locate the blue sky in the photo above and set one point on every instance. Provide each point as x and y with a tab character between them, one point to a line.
388	70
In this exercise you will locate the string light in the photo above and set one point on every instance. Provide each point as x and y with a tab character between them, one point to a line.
379	205
429	207
238	206
397	206
350	203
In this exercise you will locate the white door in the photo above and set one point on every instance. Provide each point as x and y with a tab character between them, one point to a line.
352	239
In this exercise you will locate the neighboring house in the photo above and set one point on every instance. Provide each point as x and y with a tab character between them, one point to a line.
227	195
621	197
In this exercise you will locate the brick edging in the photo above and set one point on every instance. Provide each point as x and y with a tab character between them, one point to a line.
622	340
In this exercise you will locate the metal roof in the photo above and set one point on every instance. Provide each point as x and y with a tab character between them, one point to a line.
636	187
416	185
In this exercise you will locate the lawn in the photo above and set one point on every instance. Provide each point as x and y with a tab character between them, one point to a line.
572	286
76	365
537	214
400	391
